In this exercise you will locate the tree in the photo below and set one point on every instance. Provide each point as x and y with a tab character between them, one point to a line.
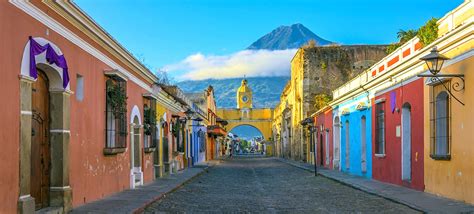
321	100
428	32
163	77
405	36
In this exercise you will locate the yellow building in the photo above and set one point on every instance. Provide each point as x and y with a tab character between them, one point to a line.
449	145
245	114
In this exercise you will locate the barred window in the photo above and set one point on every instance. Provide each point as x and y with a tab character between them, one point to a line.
440	123
380	128
116	113
202	141
150	129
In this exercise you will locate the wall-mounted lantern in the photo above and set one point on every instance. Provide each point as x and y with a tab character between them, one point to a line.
434	60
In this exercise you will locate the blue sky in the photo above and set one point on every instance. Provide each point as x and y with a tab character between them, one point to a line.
166	33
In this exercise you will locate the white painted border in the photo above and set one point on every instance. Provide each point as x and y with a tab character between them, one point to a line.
135	112
43	18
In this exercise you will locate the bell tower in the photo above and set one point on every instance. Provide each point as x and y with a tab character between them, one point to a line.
244	96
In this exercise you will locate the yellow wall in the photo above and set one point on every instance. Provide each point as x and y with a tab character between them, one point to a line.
258	118
160	111
454	178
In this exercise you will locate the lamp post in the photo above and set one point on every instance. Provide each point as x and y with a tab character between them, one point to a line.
434	61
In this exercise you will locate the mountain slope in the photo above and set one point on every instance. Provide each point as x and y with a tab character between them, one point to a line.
287	37
266	90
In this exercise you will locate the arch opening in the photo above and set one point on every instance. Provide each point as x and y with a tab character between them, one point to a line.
247	139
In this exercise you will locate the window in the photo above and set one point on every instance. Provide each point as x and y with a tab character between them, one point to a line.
440	124
116	113
149	127
202	141
79	87
380	128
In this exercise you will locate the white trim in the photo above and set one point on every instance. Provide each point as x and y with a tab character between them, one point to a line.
25	196
381	100
26	112
60	131
43	18
135	112
26	78
60	188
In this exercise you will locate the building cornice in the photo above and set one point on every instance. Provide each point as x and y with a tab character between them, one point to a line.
79	19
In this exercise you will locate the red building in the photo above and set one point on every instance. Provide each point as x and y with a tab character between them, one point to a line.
323	137
398	134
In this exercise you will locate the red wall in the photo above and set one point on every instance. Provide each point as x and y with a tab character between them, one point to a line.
92	175
324	119
389	168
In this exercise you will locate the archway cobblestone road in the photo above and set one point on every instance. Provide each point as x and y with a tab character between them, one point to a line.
266	185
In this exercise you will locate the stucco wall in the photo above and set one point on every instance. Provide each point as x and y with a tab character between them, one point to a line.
389	168
92	175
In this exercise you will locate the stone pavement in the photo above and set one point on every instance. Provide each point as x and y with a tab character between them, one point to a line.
265	185
135	200
418	200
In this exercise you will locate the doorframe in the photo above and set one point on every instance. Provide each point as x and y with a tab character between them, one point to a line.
60	192
337	142
363	143
134	171
406	109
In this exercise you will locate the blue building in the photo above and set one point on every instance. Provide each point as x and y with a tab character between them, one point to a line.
354	119
198	136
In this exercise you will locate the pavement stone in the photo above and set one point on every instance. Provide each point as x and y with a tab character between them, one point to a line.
266	185
418	200
135	200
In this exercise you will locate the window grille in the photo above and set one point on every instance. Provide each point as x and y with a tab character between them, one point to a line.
440	119
150	129
116	118
380	128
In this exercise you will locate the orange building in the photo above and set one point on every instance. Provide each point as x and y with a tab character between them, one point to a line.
73	125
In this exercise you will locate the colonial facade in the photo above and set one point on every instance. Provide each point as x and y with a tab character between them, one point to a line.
397	122
85	118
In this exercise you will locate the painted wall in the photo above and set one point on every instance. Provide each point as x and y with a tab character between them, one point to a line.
454	178
389	167
92	175
324	119
355	132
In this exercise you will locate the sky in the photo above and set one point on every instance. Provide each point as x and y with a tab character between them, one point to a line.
199	39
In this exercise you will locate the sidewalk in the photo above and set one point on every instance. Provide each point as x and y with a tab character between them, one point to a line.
418	200
135	200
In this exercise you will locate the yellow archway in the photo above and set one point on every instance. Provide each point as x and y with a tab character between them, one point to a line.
261	119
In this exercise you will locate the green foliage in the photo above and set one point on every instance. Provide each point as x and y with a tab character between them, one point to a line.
321	100
392	47
150	120
323	65
405	36
116	98
428	32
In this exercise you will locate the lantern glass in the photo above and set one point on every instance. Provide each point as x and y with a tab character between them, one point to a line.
434	61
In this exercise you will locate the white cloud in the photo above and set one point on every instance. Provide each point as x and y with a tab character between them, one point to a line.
252	63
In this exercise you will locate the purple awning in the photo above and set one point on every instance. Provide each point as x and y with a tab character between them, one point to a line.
51	57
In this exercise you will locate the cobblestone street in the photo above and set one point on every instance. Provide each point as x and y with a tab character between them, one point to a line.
268	185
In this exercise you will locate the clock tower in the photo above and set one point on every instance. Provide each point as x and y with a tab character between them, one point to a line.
244	96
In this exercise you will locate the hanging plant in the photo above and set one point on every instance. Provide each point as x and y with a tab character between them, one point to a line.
176	127
150	120
117	99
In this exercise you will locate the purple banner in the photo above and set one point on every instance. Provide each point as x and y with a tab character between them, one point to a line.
393	101
51	57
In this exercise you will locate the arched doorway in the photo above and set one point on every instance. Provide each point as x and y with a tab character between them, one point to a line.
406	142
363	144
249	140
347	145
44	129
136	149
40	149
337	142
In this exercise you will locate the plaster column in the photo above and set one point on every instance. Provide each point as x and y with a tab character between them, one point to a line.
60	191
26	203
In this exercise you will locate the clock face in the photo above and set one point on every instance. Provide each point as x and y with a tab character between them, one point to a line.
245	99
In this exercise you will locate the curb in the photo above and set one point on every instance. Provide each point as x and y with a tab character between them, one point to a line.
148	203
357	187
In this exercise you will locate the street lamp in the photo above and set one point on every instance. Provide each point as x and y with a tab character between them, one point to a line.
434	61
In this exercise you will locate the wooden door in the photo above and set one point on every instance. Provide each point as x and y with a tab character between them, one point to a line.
40	149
